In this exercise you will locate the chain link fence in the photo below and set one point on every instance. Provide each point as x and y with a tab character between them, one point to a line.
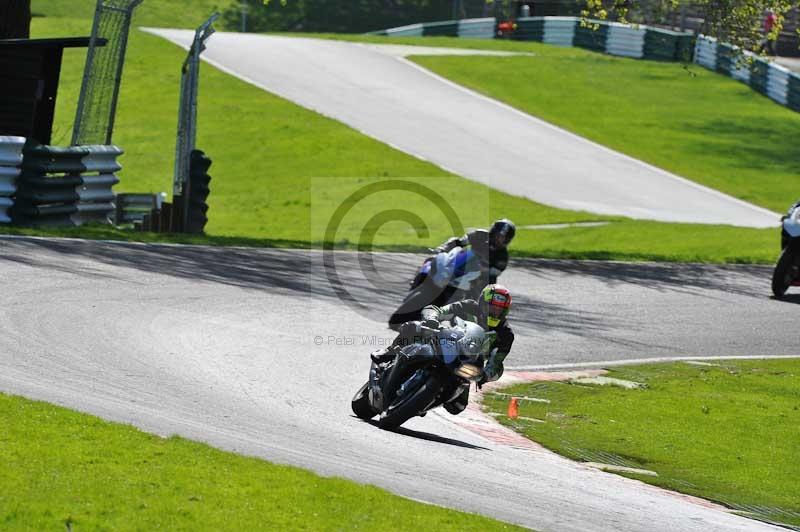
94	120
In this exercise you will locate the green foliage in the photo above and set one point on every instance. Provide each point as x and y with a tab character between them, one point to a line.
725	431
347	16
158	13
737	22
66	470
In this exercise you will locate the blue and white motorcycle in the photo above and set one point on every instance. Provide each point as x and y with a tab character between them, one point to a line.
451	275
787	270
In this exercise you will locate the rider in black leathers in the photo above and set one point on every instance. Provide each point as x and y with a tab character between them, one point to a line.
490	312
490	248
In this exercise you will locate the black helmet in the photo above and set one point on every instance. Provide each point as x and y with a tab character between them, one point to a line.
501	233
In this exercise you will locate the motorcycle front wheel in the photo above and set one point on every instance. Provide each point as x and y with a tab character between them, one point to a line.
361	405
785	272
410	404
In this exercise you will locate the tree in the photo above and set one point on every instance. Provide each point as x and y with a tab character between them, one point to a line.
15	19
737	22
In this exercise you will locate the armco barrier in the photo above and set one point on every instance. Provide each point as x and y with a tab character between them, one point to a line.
477	28
10	162
759	72
766	77
66	186
667	45
529	29
793	92
623	40
609	37
728	62
448	28
412	30
592	36
131	208
705	52
559	31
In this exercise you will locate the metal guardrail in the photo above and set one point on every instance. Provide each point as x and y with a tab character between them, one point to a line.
132	208
10	162
769	78
642	42
474	28
66	186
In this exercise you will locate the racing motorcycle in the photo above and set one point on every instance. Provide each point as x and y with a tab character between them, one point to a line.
787	270
423	375
438	279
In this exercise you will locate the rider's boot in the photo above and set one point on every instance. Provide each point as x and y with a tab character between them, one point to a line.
457	405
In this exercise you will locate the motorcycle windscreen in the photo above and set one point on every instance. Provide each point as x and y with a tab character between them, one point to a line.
449	350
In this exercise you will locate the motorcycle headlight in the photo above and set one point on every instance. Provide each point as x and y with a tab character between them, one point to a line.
468	372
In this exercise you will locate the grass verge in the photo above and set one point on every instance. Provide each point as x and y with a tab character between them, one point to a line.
159	13
280	171
725	431
685	119
66	469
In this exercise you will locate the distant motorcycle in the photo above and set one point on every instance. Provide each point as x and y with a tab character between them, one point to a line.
423	375
438	279
787	270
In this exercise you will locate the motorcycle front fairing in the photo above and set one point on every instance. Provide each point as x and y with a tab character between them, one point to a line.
790	230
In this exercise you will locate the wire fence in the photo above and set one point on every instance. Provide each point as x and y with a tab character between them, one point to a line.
94	120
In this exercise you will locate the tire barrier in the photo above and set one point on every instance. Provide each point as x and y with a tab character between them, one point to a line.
66	186
770	79
10	163
199	180
613	38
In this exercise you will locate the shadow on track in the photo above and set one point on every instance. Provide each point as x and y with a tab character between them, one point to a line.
686	278
427	436
788	298
301	272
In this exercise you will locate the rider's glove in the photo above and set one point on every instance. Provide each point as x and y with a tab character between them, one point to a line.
431	323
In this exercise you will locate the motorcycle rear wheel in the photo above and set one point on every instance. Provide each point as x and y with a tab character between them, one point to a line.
785	272
361	405
410	404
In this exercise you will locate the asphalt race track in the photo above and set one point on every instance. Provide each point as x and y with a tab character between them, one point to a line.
393	100
252	350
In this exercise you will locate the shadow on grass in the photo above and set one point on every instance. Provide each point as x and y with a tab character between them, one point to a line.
773	143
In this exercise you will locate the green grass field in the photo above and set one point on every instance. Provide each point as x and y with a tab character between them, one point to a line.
66	470
685	119
158	13
726	432
279	170
272	204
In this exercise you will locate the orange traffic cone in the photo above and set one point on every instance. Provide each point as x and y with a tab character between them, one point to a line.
513	408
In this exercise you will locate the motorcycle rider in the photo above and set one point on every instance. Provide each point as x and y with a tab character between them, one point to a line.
490	249
490	246
490	311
